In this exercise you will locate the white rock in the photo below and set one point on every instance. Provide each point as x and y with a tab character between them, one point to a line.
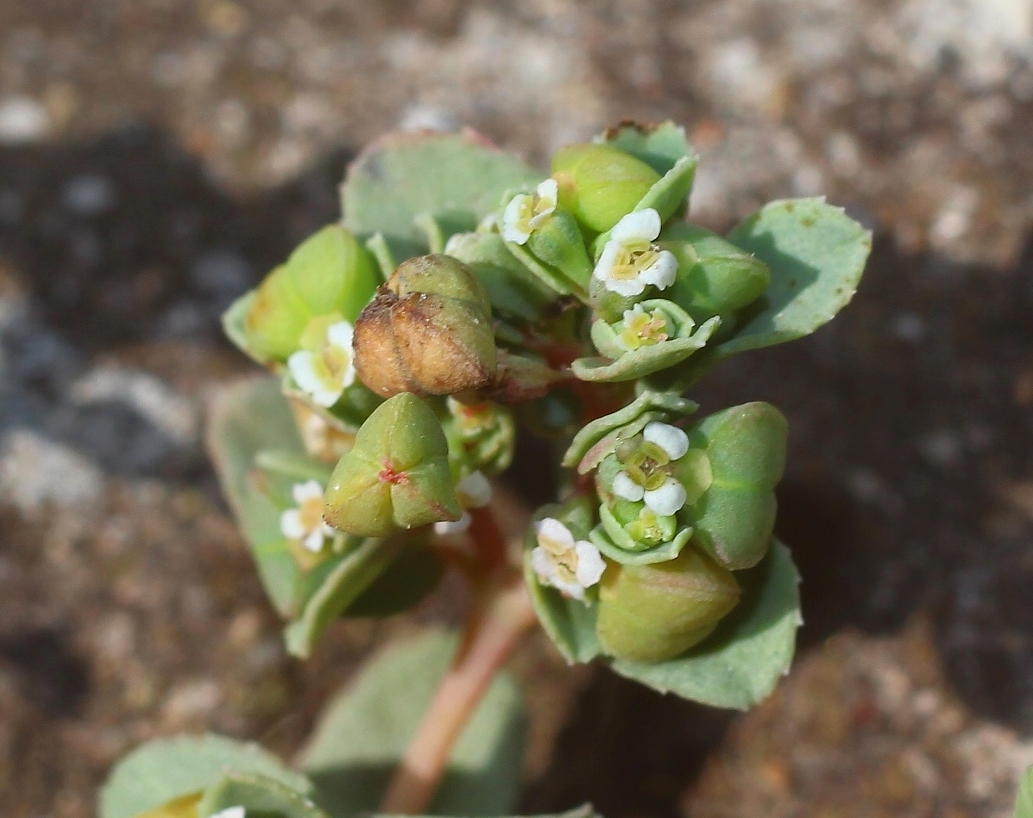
35	471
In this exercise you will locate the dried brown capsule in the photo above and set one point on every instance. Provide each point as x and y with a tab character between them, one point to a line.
427	331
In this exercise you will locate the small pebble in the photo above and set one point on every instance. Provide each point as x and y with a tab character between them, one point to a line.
22	120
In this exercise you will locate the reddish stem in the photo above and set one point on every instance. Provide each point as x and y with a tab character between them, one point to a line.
493	630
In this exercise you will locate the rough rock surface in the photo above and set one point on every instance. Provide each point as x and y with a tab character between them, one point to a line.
157	157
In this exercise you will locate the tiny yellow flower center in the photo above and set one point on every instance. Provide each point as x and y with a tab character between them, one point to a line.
310	512
533	211
563	557
643	329
633	258
645	462
331	364
651	528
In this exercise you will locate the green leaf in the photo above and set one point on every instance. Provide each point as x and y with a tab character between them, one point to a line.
365	730
1024	802
259	795
248	419
742	661
341	586
163	770
455	178
816	254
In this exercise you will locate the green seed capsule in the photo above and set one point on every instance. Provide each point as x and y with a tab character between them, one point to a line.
428	331
329	273
599	183
746	450
651	613
396	475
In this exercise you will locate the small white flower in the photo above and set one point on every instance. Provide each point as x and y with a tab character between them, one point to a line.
230	812
630	260
644	476
446	527
529	211
474	491
325	373
304	524
566	565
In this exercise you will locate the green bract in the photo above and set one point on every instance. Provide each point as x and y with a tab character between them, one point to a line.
746	450
328	274
651	613
600	183
396	476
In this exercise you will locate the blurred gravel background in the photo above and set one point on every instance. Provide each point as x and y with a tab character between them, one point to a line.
158	156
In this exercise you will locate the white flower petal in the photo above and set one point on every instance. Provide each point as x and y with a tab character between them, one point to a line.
606	259
662	272
340	334
625	487
668	499
291	526
511	229
446	527
230	812
542	565
590	565
635	312
641	225
548	191
326	397
309	490
302	368
554	531
329	530
474	490
671	439
571	589
314	541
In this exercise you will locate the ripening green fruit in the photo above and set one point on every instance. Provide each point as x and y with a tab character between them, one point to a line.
714	276
395	476
654	612
329	273
428	331
746	452
600	183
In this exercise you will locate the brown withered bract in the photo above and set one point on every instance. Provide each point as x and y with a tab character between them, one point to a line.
428	331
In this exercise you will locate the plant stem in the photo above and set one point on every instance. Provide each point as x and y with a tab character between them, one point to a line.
492	632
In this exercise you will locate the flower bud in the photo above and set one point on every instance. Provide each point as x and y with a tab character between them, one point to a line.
396	475
329	273
599	183
428	331
746	450
714	276
651	613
